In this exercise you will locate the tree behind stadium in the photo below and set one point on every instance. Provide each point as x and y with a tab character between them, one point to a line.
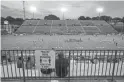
51	17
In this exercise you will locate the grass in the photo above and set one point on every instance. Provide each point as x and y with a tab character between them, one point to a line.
60	42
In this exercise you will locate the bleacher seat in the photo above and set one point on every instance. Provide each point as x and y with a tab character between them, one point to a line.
65	27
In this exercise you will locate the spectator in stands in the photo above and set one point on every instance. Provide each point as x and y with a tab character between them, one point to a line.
61	66
19	62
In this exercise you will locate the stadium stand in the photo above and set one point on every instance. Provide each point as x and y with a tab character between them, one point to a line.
34	22
79	29
86	23
107	29
25	29
45	22
66	26
100	22
27	22
42	29
71	29
72	23
58	29
91	29
58	23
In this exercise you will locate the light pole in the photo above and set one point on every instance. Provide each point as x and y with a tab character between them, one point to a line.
33	10
33	15
99	10
63	15
63	10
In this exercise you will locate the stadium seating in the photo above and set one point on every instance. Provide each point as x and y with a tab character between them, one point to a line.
72	23
25	29
58	23
91	29
66	26
71	29
34	22
79	29
26	22
105	29
45	22
42	29
100	22
59	29
86	23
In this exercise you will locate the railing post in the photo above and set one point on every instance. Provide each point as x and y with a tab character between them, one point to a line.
23	66
69	66
114	65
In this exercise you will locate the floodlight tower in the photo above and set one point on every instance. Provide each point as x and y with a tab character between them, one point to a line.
63	10
33	10
24	9
99	10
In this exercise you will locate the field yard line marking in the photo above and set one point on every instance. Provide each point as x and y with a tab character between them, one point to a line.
35	26
98	29
82	27
51	26
66	25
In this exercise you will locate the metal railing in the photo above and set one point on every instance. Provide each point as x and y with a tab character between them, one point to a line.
83	64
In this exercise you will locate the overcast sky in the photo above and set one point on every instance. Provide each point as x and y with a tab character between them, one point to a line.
75	8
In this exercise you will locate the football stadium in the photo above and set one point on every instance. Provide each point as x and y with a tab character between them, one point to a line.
93	48
98	38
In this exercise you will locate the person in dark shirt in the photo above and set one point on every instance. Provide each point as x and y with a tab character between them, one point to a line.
29	63
19	62
62	65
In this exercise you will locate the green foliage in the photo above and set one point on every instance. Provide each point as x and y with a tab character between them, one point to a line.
106	18
11	20
122	20
51	17
81	18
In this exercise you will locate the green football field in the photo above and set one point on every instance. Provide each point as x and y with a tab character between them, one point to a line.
35	42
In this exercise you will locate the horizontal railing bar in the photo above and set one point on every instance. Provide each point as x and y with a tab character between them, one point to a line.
68	50
71	78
